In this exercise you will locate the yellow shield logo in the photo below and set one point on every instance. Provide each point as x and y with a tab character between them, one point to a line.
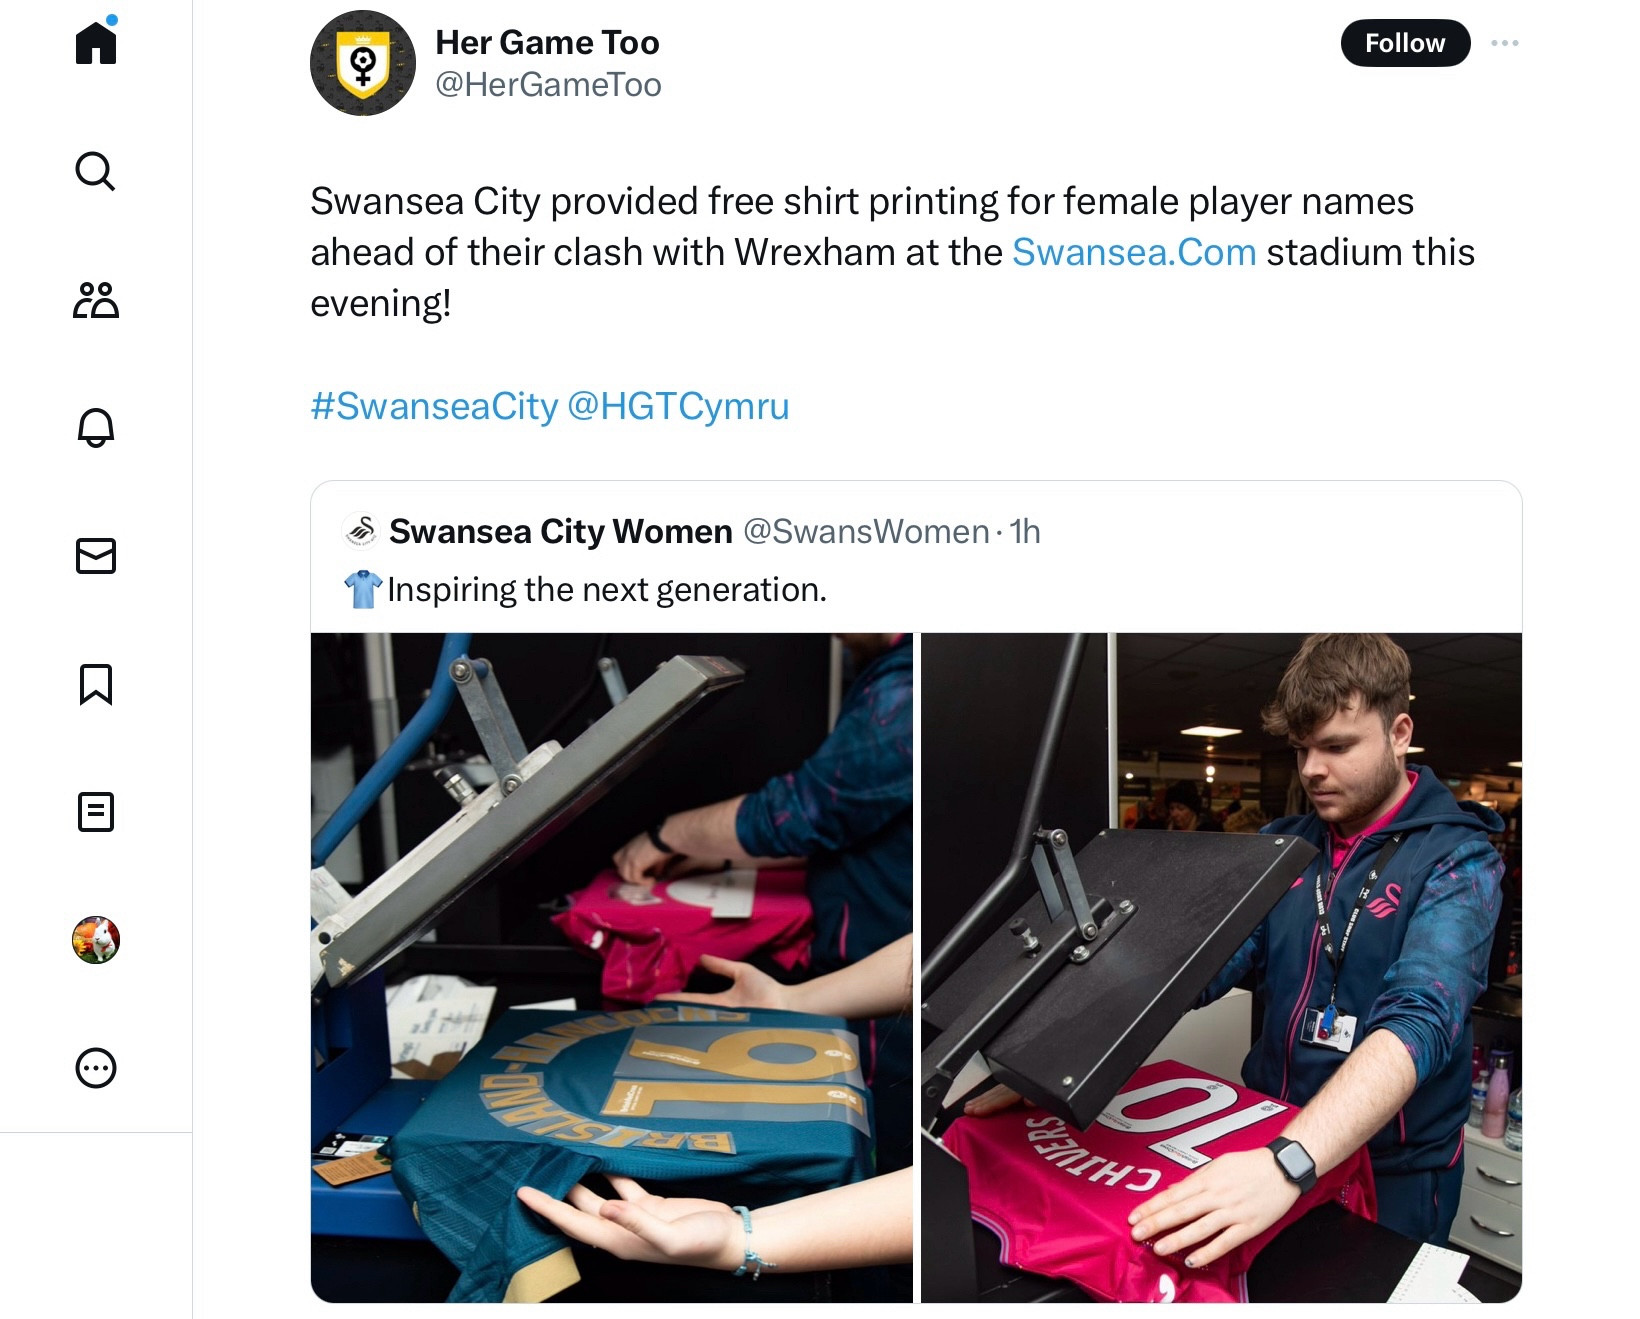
362	61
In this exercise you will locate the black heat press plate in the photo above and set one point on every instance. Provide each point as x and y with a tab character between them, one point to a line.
1195	898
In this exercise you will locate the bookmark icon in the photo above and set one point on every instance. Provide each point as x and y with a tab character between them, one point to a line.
97	683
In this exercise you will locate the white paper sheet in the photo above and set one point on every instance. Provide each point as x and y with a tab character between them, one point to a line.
728	893
1432	1278
431	1015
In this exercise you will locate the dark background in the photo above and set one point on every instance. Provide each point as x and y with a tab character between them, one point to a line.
1467	709
733	744
984	699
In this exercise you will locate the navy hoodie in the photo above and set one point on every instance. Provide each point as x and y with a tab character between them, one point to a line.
1415	964
847	809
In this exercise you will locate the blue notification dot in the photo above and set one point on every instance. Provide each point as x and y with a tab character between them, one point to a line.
112	20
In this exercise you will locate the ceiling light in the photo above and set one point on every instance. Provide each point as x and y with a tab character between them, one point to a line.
1415	751
1128	775
1514	764
1209	730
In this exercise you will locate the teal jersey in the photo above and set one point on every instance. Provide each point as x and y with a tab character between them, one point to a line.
746	1107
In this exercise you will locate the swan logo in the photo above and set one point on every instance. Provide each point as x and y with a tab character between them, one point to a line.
358	529
1387	905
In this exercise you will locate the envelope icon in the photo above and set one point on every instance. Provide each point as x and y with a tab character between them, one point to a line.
94	554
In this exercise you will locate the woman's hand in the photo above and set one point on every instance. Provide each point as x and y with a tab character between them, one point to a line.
751	988
640	1226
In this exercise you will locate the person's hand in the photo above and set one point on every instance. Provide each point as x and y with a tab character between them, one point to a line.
994	1100
641	862
1217	1208
751	988
652	1228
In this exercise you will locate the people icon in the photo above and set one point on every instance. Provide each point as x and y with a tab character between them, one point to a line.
102	307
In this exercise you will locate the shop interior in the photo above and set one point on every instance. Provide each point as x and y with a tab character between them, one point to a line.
1155	716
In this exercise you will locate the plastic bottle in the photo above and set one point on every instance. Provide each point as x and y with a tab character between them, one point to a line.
1511	1133
1495	1116
1478	1077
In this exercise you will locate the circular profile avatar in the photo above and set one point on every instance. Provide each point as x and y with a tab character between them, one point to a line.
363	62
96	940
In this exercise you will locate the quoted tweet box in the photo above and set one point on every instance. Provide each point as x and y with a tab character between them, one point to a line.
793	556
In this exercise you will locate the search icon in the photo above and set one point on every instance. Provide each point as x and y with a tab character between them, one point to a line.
92	176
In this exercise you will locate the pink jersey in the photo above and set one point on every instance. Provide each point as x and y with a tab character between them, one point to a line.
650	939
1059	1199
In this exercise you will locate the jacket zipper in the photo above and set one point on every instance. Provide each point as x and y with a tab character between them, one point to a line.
1304	994
1315	950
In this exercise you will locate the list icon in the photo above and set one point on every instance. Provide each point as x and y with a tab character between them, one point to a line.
96	812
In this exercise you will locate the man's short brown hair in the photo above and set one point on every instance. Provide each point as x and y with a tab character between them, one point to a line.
1329	670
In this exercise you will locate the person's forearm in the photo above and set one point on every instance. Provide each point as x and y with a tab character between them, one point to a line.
706	831
849	1227
1366	1092
878	986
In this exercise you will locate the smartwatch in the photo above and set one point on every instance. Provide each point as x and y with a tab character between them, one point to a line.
1295	1163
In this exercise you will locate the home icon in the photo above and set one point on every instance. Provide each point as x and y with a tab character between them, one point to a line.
95	39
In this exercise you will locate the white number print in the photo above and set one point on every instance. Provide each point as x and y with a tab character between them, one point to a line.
1184	1147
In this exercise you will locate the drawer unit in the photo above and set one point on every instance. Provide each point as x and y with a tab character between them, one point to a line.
1489	1210
1495	1171
1488	1226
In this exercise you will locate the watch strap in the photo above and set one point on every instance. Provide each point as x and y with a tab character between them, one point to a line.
1304	1181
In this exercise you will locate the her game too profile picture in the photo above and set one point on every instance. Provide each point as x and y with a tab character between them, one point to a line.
96	940
362	62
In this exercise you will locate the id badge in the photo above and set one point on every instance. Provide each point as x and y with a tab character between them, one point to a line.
1337	1033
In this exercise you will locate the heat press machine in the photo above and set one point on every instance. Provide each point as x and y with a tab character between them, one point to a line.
536	793
1063	993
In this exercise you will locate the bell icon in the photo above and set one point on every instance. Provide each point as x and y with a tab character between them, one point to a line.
96	427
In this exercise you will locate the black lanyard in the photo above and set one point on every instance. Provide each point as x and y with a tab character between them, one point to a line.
1379	864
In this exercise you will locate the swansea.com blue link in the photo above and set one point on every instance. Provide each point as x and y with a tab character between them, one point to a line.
703	407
